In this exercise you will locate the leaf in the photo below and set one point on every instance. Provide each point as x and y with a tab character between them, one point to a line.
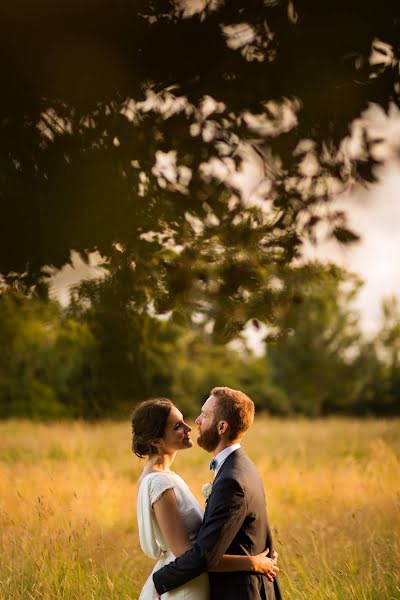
345	236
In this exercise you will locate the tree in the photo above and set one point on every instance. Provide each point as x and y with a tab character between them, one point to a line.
202	364
101	355
81	362
123	124
99	359
378	366
314	361
135	352
45	355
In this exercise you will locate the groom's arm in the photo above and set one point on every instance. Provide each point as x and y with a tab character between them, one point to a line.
224	516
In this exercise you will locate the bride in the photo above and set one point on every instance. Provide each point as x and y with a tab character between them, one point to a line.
169	516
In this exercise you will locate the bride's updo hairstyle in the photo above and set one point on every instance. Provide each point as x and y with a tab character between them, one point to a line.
148	423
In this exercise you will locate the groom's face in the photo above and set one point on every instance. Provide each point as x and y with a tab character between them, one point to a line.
209	437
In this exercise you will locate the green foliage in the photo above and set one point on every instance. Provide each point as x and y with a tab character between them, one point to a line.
124	130
378	366
202	363
103	354
129	124
321	364
42	355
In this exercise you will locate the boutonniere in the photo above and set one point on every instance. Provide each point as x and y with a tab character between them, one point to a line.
206	490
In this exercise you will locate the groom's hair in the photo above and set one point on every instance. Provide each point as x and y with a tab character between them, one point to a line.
235	408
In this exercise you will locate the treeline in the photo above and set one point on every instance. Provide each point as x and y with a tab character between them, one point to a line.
99	356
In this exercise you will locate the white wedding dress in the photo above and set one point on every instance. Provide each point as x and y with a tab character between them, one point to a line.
151	487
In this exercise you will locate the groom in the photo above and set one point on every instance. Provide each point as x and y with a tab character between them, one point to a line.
235	520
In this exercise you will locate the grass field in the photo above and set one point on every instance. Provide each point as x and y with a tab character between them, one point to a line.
68	510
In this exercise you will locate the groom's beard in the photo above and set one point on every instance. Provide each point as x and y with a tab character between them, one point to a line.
209	439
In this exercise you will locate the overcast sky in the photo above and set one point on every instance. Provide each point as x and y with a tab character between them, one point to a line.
375	215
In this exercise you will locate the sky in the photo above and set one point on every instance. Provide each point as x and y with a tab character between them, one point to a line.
375	215
71	274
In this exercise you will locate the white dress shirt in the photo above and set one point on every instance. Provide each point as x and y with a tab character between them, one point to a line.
223	455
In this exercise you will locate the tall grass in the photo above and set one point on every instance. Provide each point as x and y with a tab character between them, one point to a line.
68	508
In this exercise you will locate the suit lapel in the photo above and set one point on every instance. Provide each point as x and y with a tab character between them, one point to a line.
225	467
227	462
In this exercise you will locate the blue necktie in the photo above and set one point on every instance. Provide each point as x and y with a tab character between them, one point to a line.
213	465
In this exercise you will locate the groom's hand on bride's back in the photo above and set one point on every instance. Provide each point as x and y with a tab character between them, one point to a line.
266	565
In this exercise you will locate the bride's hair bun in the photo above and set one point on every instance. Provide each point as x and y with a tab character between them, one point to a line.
141	448
148	424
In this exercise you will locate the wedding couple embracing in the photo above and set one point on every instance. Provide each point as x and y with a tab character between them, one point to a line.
225	553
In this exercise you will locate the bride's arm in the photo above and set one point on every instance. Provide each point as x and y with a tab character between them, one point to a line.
170	523
260	563
176	537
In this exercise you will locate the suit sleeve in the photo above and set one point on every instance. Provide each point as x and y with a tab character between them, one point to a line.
225	513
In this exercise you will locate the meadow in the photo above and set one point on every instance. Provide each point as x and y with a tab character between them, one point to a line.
68	509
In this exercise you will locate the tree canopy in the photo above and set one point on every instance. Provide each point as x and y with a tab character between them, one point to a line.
98	360
125	125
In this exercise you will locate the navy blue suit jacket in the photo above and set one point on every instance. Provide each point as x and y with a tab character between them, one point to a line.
235	522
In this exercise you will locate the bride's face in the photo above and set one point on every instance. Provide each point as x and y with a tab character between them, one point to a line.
176	435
